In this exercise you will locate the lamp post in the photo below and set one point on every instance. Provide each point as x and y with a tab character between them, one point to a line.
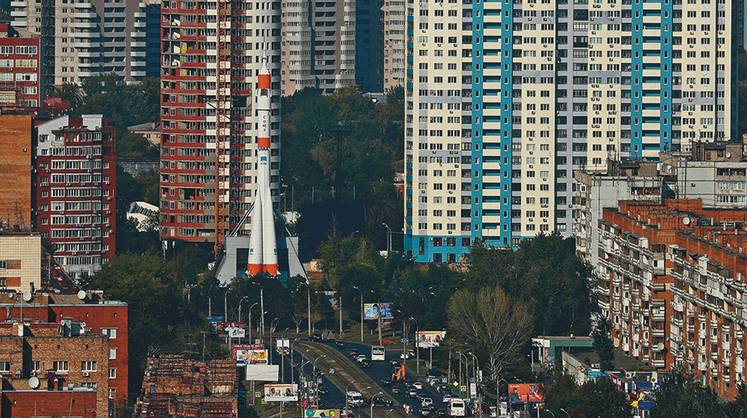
388	238
240	302
361	293
250	320
565	412
372	402
225	304
417	347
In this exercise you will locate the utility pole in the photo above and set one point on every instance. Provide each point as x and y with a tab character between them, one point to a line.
262	318
308	307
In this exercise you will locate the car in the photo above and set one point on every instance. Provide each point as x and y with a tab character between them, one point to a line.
394	363
347	413
441	412
412	393
380	401
426	411
360	358
426	402
365	365
353	354
322	390
418	385
354	399
405	356
339	343
396	390
385	382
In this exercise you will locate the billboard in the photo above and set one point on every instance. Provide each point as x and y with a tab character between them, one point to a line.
249	354
381	310
235	332
262	372
526	392
429	339
321	413
281	392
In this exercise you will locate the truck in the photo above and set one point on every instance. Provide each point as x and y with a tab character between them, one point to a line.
354	399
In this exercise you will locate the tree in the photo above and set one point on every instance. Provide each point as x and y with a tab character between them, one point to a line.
603	344
491	325
546	275
595	398
738	407
681	396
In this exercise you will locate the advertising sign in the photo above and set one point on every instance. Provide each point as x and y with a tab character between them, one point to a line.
281	392
381	310
526	392
235	332
321	413
262	372
429	339
249	354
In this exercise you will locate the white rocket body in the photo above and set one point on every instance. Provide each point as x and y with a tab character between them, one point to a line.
263	252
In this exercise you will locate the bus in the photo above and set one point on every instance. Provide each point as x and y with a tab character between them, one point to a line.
377	353
457	408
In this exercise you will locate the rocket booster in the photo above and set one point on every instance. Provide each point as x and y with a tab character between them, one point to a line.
263	252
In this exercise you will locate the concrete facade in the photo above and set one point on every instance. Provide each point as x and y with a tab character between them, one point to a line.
20	262
504	100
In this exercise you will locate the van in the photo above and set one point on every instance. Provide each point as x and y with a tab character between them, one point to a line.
354	399
457	408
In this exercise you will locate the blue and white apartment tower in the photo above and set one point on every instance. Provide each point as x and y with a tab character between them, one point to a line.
505	98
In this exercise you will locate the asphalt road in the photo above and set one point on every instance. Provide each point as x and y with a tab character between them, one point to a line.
381	371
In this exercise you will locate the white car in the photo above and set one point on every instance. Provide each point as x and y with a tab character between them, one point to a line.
360	358
418	385
354	399
426	402
405	356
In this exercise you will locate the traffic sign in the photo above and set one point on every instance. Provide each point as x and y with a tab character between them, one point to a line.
404	340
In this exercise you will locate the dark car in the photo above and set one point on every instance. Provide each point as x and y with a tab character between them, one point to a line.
339	343
385	382
394	363
380	401
426	411
353	354
412	393
365	365
396	390
441	412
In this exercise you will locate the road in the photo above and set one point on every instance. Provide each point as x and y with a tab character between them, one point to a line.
381	371
344	376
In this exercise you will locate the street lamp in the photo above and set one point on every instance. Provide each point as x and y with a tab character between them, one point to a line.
417	347
262	308
551	413
565	412
240	302
361	293
250	320
372	402
388	239
225	304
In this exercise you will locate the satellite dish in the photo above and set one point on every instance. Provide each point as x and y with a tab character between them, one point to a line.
686	220
27	296
660	346
34	382
82	294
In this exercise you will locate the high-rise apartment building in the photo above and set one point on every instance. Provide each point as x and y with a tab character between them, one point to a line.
212	53
81	39
505	99
330	45
394	43
75	203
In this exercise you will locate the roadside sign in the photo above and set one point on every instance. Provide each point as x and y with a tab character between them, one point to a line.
463	388
257	394
404	340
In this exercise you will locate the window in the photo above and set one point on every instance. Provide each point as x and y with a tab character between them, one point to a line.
112	372
60	366
112	393
36	366
88	366
4	367
112	354
110	332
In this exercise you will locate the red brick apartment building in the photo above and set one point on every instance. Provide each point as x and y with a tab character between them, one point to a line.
20	68
70	345
15	176
75	197
675	275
